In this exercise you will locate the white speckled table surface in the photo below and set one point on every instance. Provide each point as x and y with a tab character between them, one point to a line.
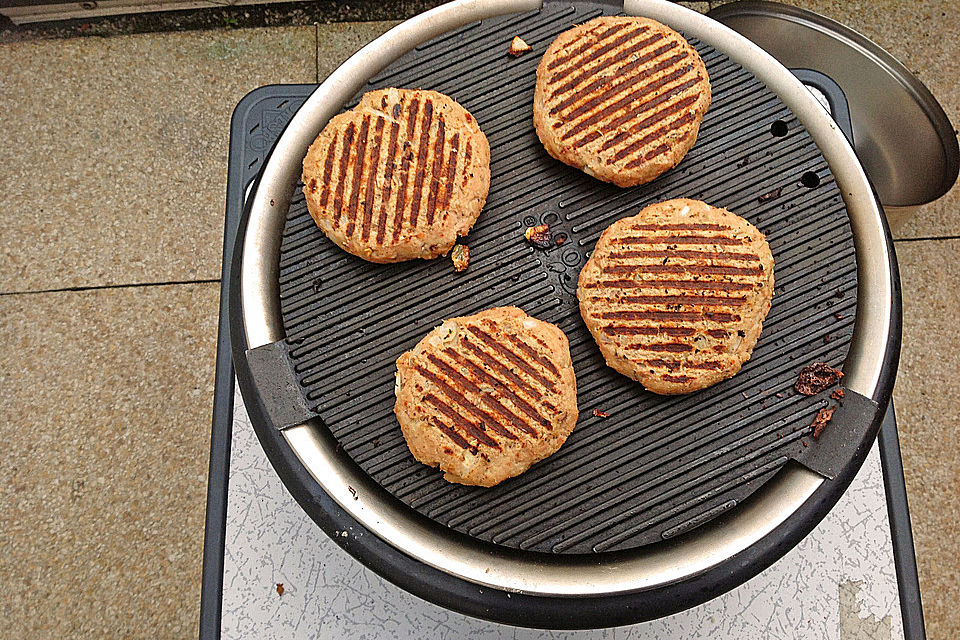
839	583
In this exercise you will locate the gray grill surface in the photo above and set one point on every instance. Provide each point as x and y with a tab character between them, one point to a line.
658	466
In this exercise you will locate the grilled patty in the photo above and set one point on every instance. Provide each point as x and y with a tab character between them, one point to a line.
621	98
486	396
676	296
398	177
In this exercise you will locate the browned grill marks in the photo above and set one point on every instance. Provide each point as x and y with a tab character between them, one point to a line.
515	420
673	365
374	169
391	162
412	110
647	139
556	62
344	160
662	347
468	427
453	435
707	255
466	163
669	315
688	226
682	240
676	332
448	185
650	155
704	285
437	168
358	164
540	342
498	367
502	350
485	417
620	56
677	379
718	333
503	388
663	130
328	169
657	116
422	154
527	349
684	300
583	101
614	108
596	54
705	269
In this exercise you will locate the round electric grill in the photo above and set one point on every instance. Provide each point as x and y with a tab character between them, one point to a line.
668	501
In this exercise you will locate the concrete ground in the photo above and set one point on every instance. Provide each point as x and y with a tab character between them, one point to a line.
114	169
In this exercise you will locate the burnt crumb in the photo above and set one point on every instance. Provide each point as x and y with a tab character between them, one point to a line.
770	195
461	257
279	588
816	377
271	199
824	416
837	394
561	239
353	492
518	47
826	338
600	414
741	333
743	163
779	395
839	293
804	443
539	236
839	316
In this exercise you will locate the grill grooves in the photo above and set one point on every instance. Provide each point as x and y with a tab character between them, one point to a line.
656	463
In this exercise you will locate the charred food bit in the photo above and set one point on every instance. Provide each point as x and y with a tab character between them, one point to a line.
461	257
816	377
539	236
770	195
837	394
824	416
518	47
600	414
279	588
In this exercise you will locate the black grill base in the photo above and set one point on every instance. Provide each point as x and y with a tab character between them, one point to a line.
658	466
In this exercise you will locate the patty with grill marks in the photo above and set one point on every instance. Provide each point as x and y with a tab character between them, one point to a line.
486	396
400	176
621	98
676	295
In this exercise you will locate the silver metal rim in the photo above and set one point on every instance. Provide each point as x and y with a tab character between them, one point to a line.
509	569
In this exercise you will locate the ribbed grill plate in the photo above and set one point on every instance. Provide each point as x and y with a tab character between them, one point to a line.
658	466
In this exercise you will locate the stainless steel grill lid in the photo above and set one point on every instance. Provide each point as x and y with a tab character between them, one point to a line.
671	500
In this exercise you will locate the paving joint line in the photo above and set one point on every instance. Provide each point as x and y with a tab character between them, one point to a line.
131	285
